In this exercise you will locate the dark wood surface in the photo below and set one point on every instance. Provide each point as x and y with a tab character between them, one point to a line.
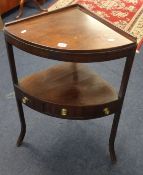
6	5
59	35
58	85
1	23
71	87
73	112
78	30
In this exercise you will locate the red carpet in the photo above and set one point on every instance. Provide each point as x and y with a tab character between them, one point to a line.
126	14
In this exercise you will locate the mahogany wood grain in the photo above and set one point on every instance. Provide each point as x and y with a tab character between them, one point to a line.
78	30
58	85
37	33
1	23
74	112
6	5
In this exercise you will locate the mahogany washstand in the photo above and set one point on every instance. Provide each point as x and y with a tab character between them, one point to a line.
70	90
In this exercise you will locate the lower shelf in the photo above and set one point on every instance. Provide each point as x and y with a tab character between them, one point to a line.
70	90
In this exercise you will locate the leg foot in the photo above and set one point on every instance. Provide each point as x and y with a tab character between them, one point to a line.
112	154
23	124
112	138
21	137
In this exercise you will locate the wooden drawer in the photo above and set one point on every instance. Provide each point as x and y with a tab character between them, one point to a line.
66	111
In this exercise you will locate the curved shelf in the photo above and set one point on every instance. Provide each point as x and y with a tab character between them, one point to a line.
69	86
91	39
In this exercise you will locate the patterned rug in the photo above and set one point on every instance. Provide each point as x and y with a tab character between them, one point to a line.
125	14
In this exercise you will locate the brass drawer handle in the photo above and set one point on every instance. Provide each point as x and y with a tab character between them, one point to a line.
64	112
25	100
106	111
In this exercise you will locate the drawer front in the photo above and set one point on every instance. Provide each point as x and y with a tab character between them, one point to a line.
81	112
65	111
28	100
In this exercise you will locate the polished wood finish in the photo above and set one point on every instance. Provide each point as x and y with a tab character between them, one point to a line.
73	112
1	23
69	31
20	33
70	90
6	5
57	85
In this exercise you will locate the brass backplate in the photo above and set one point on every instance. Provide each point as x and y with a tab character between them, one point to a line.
64	112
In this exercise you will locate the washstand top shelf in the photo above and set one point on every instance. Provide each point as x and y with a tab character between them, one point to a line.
69	34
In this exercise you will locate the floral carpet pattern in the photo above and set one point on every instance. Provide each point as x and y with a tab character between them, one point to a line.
125	14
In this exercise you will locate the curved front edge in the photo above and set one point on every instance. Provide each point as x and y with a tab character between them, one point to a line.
70	56
65	111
